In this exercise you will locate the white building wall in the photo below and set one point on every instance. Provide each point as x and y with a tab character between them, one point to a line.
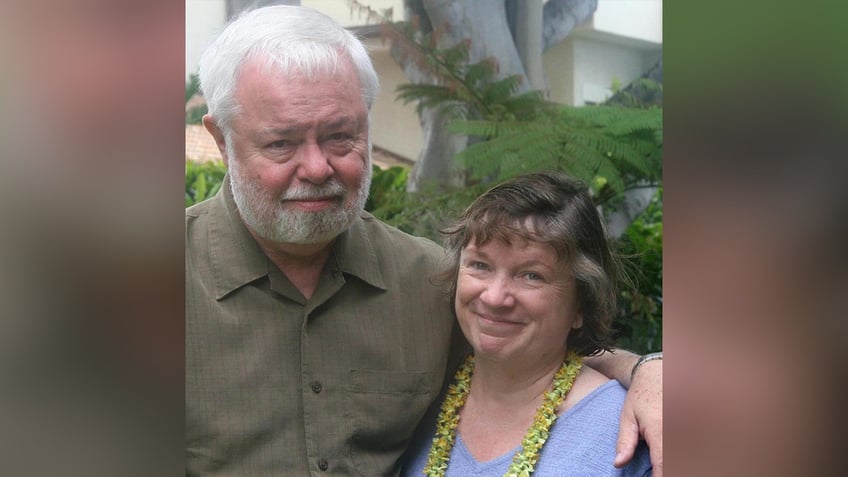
598	64
394	126
637	19
559	72
204	19
621	41
582	70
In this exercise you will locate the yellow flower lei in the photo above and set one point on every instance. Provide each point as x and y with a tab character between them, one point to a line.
525	460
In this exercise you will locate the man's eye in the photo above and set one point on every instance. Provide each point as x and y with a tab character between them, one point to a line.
339	136
278	144
533	276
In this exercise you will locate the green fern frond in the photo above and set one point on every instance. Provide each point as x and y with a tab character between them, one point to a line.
499	92
608	146
431	96
621	153
616	120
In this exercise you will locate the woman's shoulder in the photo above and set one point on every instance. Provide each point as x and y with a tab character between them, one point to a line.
588	382
583	439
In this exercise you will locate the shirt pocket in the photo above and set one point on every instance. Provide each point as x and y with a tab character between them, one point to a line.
385	407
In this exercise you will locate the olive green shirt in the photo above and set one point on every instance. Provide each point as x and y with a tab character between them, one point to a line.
334	385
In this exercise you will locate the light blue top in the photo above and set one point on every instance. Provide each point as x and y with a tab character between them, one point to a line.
582	443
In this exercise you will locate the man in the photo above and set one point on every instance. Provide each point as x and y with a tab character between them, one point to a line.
314	339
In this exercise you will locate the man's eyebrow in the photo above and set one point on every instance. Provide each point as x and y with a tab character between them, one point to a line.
279	131
339	123
342	122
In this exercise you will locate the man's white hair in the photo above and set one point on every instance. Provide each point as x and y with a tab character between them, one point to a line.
290	39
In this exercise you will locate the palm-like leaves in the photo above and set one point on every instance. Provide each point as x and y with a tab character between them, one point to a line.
621	145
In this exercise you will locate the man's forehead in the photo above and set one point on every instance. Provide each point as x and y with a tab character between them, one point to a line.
261	80
289	68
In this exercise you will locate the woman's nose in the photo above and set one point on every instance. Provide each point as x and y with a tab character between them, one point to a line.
498	293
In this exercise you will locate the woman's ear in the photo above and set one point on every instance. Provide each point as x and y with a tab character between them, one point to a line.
578	321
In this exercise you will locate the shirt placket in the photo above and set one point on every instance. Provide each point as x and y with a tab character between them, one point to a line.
322	455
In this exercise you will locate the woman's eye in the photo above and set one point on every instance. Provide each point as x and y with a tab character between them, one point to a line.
533	276
479	266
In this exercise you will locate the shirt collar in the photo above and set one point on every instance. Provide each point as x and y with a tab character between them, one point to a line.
238	260
355	253
236	257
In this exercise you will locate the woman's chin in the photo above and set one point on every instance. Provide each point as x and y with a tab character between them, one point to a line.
496	347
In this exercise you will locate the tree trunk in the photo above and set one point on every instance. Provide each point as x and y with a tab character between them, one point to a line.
435	162
484	23
562	16
635	202
528	41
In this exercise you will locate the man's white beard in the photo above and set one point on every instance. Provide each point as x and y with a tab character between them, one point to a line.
268	218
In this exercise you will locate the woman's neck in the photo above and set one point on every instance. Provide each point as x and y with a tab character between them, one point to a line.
513	384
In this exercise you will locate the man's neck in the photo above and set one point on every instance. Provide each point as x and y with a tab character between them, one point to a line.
300	263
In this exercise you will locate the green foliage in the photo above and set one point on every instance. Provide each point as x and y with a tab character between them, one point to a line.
611	147
642	93
639	326
466	90
388	191
202	179
192	87
426	212
421	214
195	114
622	146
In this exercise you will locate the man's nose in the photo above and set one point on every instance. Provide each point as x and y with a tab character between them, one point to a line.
314	165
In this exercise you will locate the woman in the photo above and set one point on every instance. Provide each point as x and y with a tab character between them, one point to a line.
533	284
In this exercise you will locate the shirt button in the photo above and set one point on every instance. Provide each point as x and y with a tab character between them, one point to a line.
323	465
316	386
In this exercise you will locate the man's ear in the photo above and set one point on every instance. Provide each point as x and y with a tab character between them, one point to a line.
217	134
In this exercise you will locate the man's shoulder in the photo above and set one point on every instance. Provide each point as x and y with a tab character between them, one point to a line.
200	216
199	209
199	220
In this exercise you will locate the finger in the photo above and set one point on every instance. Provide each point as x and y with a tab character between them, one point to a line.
628	438
656	461
656	448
